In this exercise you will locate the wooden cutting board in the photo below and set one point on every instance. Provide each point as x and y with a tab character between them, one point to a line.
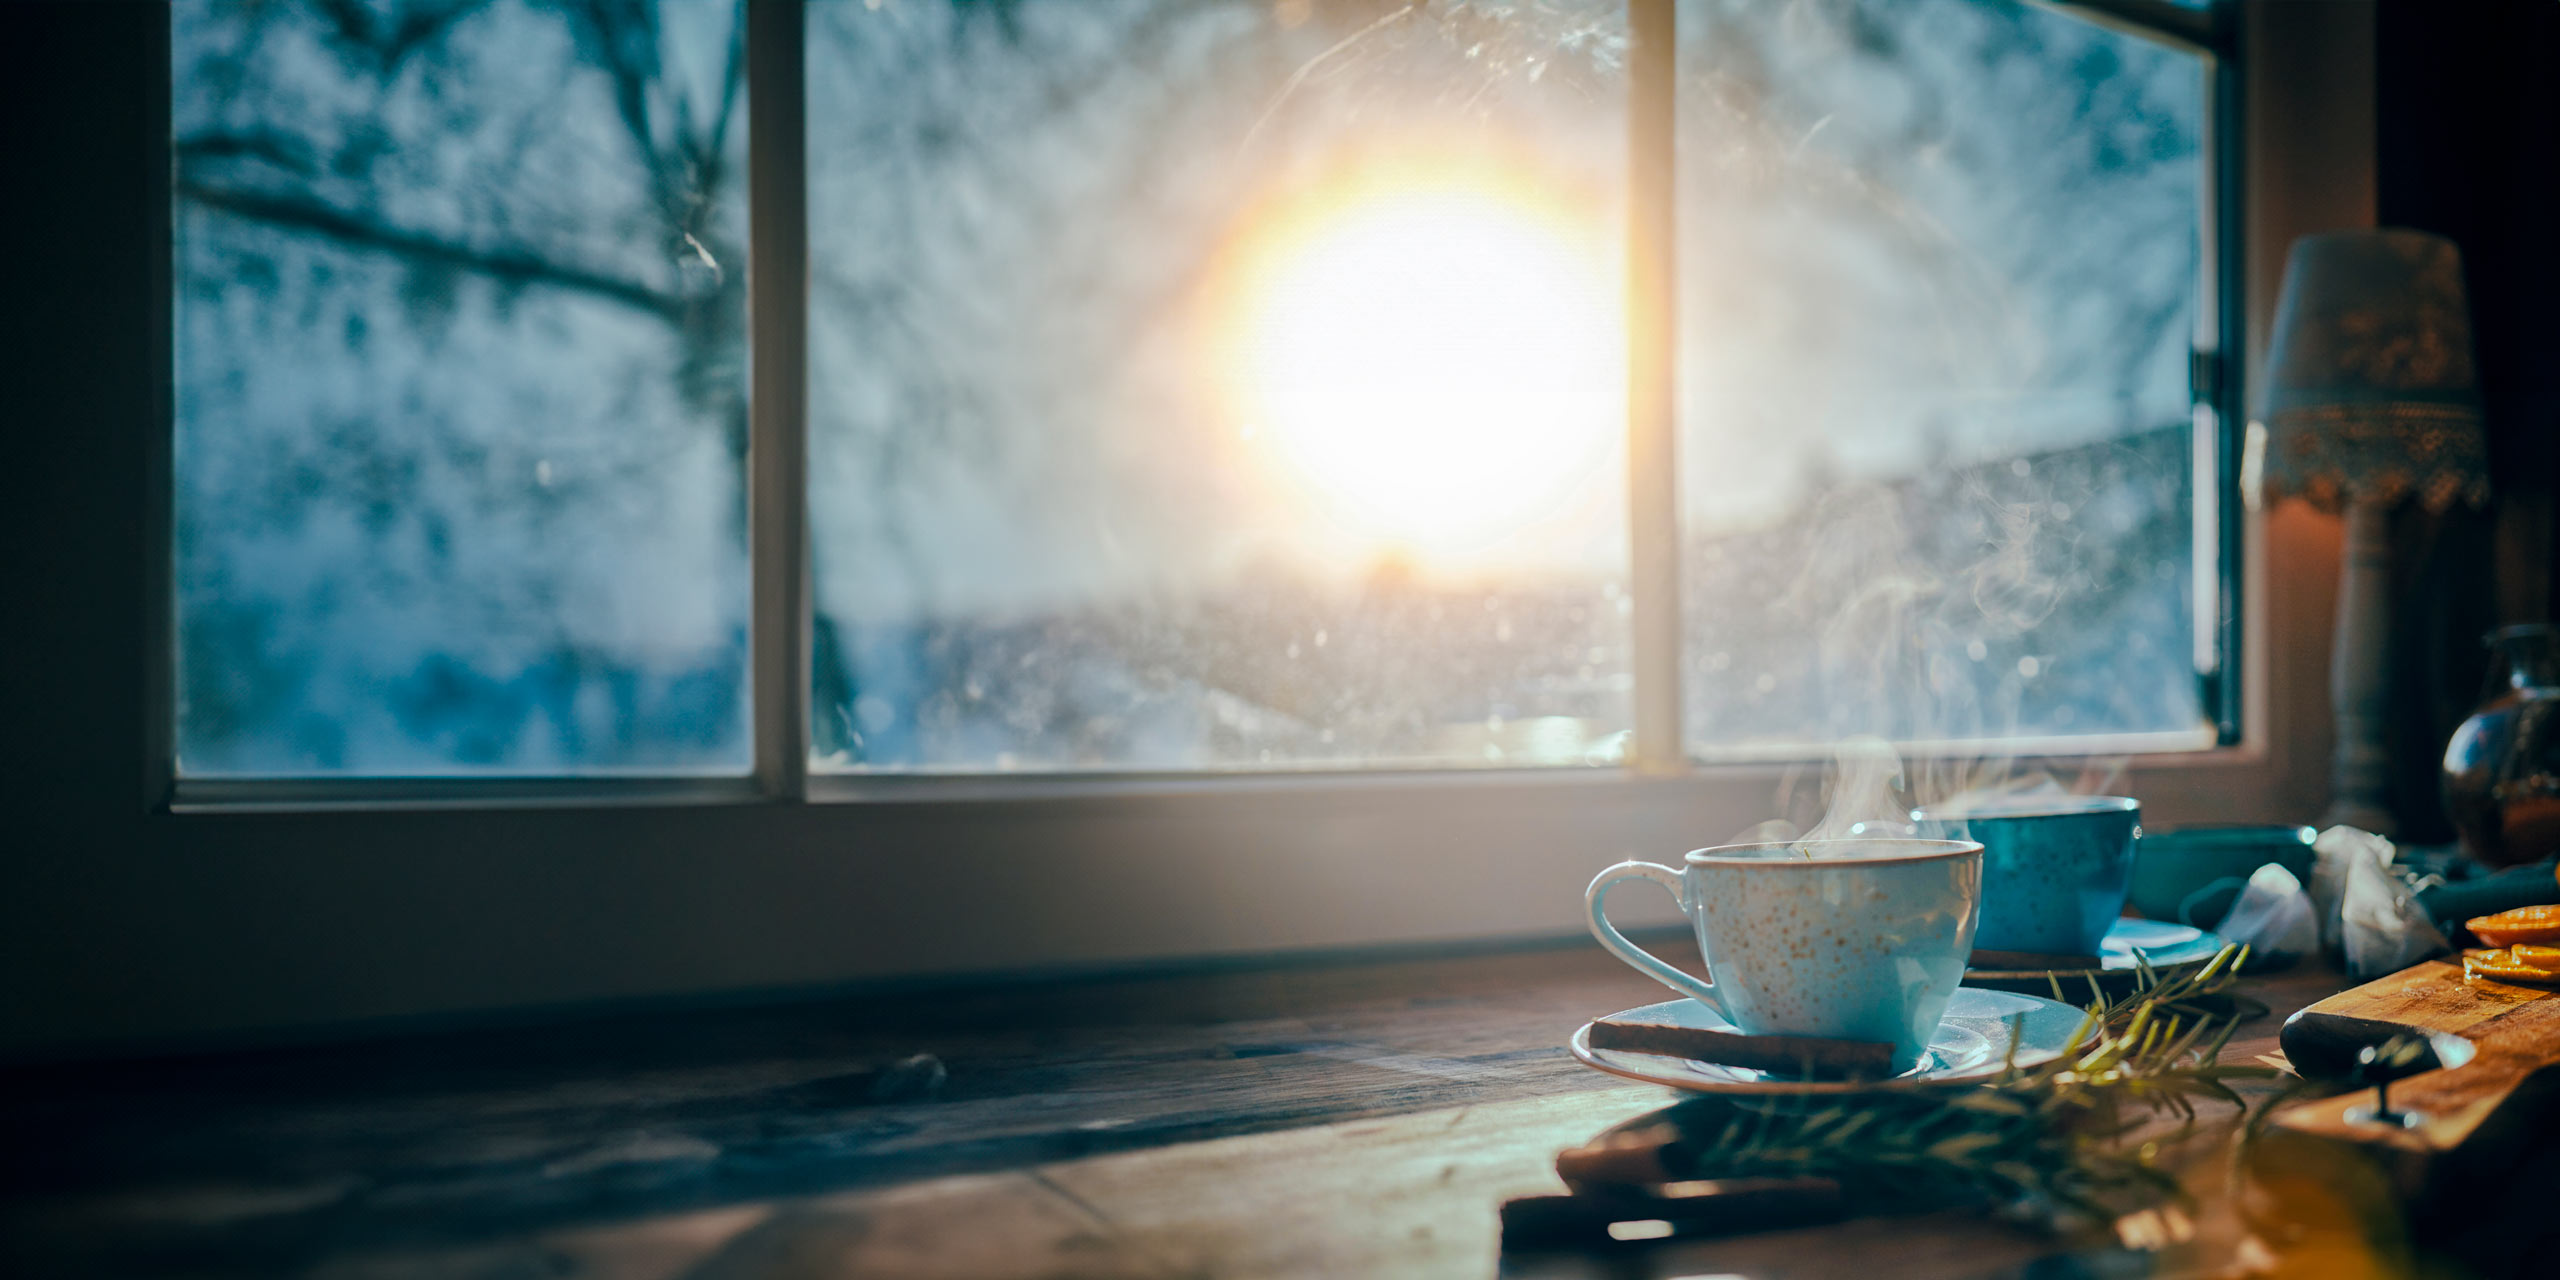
2514	1031
2461	1175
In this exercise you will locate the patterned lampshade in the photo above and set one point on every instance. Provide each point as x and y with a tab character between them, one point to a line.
2370	391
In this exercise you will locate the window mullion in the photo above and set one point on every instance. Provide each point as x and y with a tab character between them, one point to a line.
1653	511
777	446
2227	298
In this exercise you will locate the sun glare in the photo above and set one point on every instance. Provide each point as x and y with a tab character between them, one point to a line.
1438	363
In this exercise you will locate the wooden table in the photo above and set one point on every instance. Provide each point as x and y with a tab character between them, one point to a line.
1317	1120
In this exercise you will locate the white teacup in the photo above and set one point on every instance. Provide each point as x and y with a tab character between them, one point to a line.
1861	940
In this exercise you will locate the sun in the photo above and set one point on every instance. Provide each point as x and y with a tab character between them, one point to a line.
1439	361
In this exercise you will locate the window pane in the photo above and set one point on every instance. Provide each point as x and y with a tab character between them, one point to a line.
1217	385
461	404
1939	280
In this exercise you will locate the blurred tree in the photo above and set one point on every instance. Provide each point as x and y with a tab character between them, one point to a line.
462	394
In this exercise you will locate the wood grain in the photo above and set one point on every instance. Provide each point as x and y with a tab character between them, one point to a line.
2515	1028
1357	1119
266	1163
2462	1191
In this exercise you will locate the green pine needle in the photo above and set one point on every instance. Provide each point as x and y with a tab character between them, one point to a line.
2044	1142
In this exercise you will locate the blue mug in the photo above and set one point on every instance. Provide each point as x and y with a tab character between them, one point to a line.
2054	868
1862	940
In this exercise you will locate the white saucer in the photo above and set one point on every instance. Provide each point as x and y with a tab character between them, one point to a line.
1971	1045
2161	944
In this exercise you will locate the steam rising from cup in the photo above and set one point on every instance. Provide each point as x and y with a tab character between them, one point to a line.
1898	643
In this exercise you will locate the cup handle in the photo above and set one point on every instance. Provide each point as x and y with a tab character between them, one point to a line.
1645	962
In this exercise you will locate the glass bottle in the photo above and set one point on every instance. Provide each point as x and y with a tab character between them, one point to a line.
2502	769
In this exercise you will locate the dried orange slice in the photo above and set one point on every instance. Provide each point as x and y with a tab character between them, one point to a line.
2524	924
2502	965
2538	957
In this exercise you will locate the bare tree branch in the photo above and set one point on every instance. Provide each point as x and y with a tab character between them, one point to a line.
516	266
390	41
273	146
733	80
626	46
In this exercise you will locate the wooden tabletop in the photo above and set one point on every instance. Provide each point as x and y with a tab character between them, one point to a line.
1310	1120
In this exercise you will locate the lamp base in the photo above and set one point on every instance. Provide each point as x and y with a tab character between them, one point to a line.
2360	771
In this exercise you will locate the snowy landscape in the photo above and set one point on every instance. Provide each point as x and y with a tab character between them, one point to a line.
462	414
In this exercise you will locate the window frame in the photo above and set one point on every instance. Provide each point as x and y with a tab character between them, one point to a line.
780	614
211	910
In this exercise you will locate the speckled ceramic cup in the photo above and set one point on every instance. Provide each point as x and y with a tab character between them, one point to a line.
2054	868
1864	940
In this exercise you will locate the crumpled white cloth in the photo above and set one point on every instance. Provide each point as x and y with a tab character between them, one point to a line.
2273	916
2368	915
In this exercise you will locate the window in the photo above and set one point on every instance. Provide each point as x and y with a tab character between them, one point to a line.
1217	386
1939	267
461	393
1192	387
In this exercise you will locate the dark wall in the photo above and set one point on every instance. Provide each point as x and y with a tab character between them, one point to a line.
2467	106
84	133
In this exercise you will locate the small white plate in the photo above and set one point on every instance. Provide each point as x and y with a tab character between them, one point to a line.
2165	945
1971	1045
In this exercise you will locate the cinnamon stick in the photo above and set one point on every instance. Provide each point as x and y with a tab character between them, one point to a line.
1627	1157
1812	1055
2034	962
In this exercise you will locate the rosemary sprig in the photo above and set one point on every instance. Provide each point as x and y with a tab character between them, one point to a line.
2043	1142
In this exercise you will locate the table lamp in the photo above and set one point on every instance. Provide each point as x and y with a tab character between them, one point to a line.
2370	400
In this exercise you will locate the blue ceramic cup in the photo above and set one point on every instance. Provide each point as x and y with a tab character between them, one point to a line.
1863	940
2054	868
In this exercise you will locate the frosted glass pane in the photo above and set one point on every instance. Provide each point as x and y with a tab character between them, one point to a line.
1938	284
461	402
1217	385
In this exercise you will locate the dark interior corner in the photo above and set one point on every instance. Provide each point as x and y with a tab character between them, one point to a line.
2466	130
